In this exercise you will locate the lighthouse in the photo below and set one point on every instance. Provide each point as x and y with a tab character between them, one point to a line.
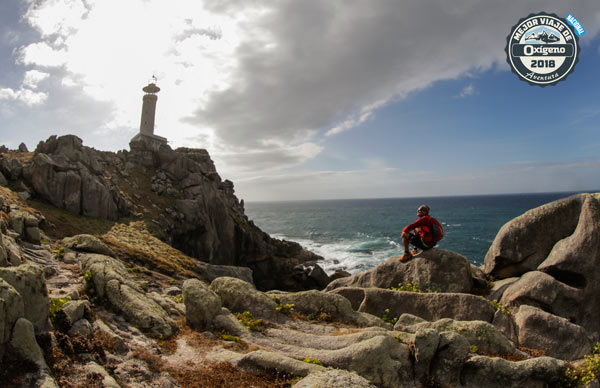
146	135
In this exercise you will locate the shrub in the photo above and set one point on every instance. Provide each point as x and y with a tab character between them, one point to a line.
498	306
59	253
579	377
387	318
409	287
55	305
89	280
286	309
247	319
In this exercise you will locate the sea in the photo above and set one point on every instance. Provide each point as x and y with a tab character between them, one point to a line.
358	234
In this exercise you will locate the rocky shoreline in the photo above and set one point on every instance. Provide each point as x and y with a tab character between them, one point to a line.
180	289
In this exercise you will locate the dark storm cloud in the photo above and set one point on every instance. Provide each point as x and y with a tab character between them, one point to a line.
307	66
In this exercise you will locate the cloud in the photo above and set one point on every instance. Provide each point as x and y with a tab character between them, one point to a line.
467	91
24	96
262	83
33	78
292	81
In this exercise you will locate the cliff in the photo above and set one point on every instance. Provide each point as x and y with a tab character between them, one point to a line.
91	302
178	195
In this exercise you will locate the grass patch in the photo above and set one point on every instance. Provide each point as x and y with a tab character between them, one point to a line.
66	224
132	242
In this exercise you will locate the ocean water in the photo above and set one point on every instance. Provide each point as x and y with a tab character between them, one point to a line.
356	235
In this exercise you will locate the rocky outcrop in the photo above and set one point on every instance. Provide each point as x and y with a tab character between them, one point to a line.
178	192
435	269
554	251
201	304
109	281
28	280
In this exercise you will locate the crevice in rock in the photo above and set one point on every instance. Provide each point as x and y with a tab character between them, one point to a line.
569	278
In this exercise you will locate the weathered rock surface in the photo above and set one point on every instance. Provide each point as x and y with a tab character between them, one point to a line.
87	243
209	272
28	280
110	281
201	304
333	378
435	269
11	310
524	243
429	306
314	303
197	213
489	372
557	336
484	335
239	296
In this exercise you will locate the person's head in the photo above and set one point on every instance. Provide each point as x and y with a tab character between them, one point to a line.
423	210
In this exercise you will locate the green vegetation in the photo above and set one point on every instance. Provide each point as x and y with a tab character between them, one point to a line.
387	318
286	309
410	287
89	280
178	298
473	348
581	376
312	361
55	305
498	306
247	319
59	253
231	338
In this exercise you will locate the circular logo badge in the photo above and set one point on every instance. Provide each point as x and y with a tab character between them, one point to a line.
542	49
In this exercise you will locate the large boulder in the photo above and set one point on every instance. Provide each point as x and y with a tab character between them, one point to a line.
429	306
107	278
542	290
201	304
314	303
484	335
558	244
11	309
523	243
481	371
209	272
435	270
28	280
556	336
333	378
239	296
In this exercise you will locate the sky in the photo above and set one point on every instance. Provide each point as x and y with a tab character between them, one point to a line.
312	99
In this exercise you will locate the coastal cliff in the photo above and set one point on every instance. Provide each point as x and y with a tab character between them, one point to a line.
140	269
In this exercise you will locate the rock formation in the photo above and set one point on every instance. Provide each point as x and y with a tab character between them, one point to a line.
122	308
178	193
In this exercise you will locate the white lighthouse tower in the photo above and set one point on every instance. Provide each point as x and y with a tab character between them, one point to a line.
146	134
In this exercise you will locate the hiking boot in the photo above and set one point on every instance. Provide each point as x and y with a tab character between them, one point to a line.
405	256
414	252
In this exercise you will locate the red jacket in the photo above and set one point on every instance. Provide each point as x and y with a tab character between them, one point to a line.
424	225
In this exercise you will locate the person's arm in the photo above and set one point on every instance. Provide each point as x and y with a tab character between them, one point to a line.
414	225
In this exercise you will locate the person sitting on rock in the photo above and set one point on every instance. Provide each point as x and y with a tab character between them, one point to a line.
423	238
